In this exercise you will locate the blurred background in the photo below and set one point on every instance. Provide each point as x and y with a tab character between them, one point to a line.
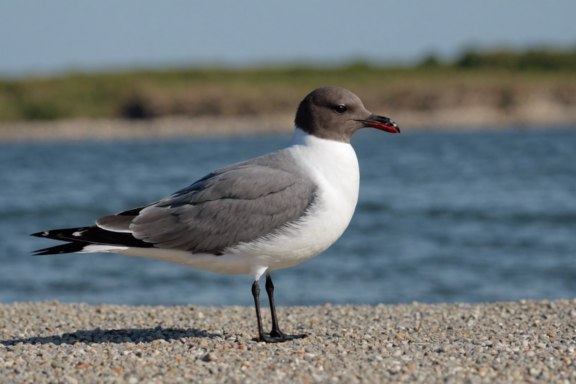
107	106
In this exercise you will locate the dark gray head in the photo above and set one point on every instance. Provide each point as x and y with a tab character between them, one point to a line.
335	113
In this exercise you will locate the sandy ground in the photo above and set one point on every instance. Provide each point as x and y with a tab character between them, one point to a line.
524	341
537	114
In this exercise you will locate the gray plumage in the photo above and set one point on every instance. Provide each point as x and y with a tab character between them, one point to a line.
239	203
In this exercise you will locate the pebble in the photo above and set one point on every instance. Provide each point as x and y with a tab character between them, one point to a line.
526	341
210	357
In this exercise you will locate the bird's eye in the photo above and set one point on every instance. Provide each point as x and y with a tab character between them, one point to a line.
340	109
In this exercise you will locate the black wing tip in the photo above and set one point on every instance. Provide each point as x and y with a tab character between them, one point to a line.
42	252
60	249
45	251
77	238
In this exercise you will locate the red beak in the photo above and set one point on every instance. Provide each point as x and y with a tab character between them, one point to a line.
382	123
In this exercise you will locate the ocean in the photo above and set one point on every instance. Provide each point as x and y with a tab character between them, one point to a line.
478	216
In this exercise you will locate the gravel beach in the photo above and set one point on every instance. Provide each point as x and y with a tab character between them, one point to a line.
52	342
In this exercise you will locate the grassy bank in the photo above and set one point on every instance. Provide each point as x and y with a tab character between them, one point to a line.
501	81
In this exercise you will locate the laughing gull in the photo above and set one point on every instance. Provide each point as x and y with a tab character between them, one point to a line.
257	216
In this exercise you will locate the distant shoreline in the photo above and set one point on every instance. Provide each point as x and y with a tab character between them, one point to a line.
529	115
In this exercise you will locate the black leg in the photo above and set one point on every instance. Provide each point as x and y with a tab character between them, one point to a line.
270	292
276	332
256	294
276	336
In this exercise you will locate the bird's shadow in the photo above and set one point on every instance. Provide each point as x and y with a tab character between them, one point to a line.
116	336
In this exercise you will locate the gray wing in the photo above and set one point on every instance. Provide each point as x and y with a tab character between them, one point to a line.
239	203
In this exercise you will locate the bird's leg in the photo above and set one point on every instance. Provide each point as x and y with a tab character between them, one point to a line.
261	335
256	294
276	332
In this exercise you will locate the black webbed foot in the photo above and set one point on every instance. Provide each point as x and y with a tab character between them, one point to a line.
278	337
282	335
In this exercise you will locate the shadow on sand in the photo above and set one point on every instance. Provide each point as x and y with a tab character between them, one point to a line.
116	336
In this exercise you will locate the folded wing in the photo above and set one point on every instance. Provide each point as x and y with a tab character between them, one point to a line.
239	203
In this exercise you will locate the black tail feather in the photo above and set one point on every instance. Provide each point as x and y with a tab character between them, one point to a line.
93	235
59	249
62	234
79	238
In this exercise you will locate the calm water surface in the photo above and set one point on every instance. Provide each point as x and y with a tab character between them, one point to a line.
442	217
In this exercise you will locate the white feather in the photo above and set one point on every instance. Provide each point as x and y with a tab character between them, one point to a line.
107	228
94	248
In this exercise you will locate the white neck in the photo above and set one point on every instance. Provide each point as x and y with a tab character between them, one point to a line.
333	164
299	137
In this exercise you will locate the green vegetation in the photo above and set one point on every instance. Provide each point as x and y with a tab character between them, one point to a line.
196	92
536	60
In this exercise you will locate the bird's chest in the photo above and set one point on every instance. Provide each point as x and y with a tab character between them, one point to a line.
334	169
338	180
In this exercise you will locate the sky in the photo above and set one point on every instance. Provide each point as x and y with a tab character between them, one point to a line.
39	37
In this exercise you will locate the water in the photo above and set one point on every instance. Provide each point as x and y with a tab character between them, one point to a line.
442	217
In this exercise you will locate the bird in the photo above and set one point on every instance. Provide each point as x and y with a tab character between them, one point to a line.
254	217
